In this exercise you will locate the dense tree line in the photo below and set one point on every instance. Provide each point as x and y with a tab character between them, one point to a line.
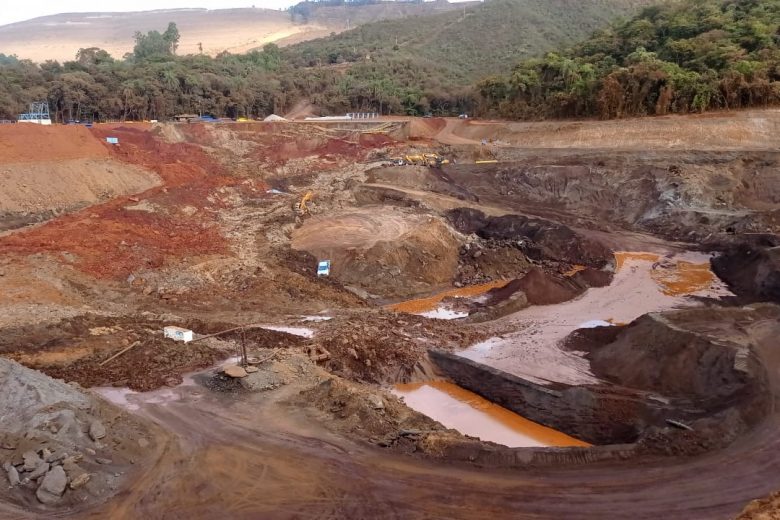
154	83
677	57
412	66
685	56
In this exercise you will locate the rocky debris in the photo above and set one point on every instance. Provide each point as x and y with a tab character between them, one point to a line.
54	425
41	470
79	481
103	461
361	411
234	371
482	261
384	347
12	473
279	368
762	509
52	486
540	239
96	430
31	460
57	456
376	401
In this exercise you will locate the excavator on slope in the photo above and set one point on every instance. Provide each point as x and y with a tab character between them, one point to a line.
300	207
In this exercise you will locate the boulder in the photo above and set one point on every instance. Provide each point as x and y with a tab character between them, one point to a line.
97	430
53	486
40	471
13	474
31	460
234	371
79	481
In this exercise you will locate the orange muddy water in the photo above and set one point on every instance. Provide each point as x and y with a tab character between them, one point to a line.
432	302
470	414
674	278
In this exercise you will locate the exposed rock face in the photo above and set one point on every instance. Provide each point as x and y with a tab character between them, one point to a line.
752	271
51	448
542	239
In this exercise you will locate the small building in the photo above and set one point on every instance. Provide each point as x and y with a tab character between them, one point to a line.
178	334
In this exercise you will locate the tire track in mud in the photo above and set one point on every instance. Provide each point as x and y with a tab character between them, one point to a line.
252	458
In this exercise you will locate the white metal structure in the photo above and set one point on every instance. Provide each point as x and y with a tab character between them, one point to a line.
38	114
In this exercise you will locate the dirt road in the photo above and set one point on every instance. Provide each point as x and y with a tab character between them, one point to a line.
743	130
250	457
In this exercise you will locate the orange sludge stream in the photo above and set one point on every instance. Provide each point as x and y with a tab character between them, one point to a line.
430	303
470	414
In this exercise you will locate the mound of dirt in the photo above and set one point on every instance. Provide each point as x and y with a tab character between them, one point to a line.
50	170
31	192
36	143
712	364
483	261
540	239
655	353
367	413
540	288
60	446
384	251
383	347
536	287
752	270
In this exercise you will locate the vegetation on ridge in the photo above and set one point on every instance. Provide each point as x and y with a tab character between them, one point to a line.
678	57
431	68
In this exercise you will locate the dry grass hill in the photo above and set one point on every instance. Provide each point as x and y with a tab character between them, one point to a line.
60	36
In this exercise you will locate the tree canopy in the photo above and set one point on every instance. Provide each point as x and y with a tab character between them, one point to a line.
676	57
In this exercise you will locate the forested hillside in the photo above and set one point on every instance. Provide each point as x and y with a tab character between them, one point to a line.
466	45
432	66
678	57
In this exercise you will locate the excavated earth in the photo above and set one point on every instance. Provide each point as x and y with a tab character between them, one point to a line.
194	226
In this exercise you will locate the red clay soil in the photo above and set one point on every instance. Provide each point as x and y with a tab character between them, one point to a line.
27	142
111	242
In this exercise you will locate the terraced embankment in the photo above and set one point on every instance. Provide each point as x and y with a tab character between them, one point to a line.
524	247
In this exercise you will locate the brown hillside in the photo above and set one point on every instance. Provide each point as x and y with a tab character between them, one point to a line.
60	36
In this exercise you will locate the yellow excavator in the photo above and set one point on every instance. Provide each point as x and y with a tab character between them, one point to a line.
431	160
300	206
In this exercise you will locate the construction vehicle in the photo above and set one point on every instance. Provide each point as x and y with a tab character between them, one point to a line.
424	159
300	206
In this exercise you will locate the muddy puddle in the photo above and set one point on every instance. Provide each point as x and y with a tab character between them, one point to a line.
432	307
675	276
473	415
644	282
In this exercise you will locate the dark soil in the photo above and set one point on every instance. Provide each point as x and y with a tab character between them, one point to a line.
75	349
540	239
751	268
383	347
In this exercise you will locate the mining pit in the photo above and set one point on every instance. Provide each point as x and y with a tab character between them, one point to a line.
584	328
